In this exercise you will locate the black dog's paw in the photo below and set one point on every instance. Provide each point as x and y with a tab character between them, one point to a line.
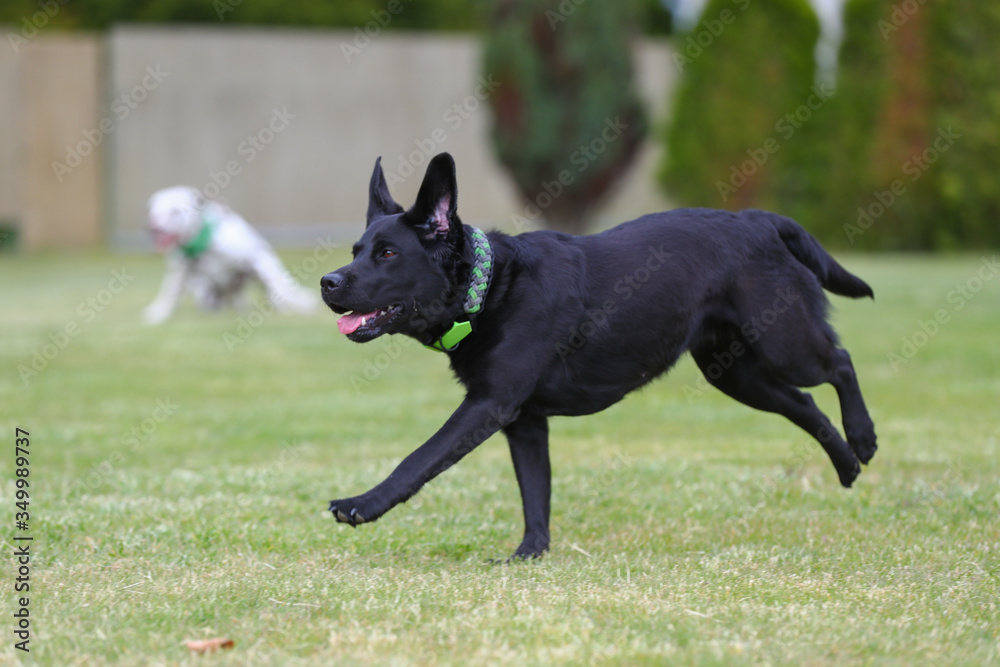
353	511
864	445
531	548
849	473
519	557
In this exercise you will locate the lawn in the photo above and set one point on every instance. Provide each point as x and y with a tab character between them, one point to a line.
179	478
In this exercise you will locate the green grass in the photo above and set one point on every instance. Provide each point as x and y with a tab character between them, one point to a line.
687	529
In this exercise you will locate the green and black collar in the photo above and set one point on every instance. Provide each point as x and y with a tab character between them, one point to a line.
480	277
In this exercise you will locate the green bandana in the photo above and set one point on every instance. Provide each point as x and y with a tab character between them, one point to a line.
479	284
199	243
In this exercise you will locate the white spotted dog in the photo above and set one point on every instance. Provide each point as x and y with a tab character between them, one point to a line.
214	253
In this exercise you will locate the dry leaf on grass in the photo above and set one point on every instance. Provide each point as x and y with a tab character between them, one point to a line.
208	645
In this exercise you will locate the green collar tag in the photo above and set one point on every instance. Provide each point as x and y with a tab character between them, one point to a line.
456	334
199	243
480	276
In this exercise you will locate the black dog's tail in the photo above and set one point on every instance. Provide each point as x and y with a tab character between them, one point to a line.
832	276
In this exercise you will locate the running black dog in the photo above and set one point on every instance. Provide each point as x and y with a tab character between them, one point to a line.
545	324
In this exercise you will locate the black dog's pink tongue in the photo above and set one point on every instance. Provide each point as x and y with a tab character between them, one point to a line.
350	322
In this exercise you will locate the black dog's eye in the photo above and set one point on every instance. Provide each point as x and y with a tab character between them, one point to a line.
386	254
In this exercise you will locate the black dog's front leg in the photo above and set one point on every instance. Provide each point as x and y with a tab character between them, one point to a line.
471	424
528	438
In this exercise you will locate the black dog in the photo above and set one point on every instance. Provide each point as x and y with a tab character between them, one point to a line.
545	324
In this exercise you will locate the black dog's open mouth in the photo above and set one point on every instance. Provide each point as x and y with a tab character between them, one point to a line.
361	327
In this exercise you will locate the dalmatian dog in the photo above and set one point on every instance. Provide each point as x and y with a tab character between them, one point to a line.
214	254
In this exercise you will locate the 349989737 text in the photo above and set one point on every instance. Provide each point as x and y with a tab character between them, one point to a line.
22	541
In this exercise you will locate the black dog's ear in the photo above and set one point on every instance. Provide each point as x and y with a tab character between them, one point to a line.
380	202
434	212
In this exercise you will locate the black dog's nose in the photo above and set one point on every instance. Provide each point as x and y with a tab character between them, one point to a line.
332	281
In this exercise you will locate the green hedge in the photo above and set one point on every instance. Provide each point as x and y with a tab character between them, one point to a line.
401	14
880	113
917	140
442	15
965	75
747	77
905	155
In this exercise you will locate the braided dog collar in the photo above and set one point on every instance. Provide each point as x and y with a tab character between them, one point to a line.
480	276
481	273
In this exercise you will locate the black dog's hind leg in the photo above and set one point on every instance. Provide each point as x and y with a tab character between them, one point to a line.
528	438
749	381
858	426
